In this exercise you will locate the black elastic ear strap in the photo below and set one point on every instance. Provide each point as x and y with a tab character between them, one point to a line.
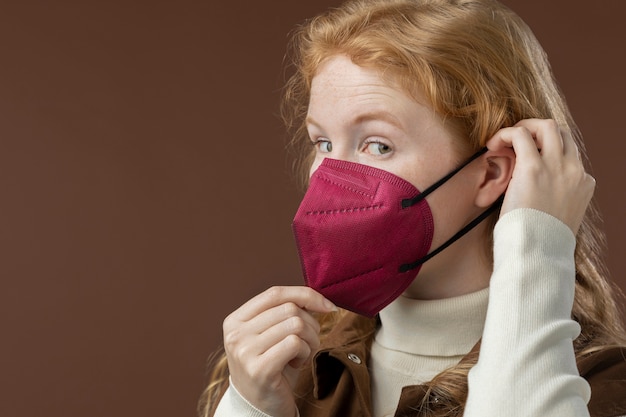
495	206
408	202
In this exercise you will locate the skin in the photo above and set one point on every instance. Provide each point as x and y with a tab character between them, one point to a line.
355	115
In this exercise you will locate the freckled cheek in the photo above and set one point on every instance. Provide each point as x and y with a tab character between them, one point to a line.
416	177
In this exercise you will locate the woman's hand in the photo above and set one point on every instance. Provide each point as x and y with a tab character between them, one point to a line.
548	174
267	340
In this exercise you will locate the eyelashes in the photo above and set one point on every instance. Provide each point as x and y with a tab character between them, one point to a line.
372	147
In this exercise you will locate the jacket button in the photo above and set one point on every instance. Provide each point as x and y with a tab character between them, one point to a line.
354	358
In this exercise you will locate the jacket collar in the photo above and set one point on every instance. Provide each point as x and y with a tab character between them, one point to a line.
346	346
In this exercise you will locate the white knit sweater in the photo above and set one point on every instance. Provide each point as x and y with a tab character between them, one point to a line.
418	339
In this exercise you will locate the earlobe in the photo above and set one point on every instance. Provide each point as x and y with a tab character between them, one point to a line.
497	172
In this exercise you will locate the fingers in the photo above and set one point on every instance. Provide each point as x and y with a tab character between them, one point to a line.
530	138
548	174
533	137
267	338
260	369
273	316
270	329
304	297
547	135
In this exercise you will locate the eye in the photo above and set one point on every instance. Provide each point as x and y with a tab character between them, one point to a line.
325	146
377	148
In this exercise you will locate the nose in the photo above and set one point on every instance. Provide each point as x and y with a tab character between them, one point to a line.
343	152
340	151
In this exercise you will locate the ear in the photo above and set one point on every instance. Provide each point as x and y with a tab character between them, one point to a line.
497	170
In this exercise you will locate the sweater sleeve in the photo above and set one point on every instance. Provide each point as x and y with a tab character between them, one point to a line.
527	366
233	404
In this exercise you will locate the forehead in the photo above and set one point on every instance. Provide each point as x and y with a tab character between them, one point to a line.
344	90
340	82
339	72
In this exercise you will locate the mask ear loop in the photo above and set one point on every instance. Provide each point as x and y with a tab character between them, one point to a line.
495	206
408	202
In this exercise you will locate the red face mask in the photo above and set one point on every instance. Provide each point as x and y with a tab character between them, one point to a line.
363	233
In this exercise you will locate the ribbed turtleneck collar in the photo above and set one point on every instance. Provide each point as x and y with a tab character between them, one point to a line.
445	327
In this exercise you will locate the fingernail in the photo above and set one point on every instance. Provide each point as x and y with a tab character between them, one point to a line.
330	306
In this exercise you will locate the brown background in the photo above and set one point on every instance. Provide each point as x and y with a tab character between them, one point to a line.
145	194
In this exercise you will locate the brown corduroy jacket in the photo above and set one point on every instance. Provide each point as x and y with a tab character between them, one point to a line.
337	384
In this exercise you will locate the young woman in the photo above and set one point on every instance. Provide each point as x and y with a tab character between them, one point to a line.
448	216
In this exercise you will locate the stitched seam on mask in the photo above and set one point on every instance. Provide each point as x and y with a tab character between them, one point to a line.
351	278
342	211
354	190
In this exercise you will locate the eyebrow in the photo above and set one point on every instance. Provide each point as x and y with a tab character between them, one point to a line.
380	115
